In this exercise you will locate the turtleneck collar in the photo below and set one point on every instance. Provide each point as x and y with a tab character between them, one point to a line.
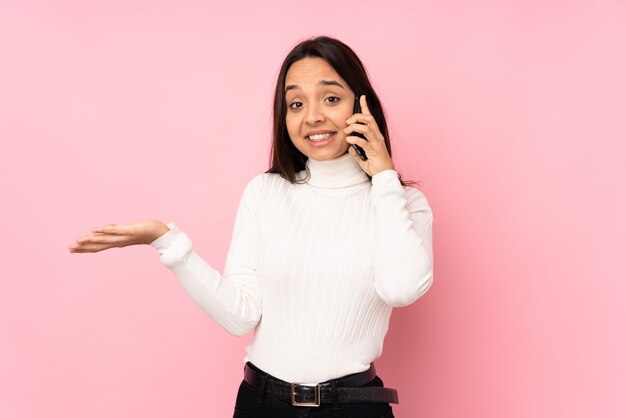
339	172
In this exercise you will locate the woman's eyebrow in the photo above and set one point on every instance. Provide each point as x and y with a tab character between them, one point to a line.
321	83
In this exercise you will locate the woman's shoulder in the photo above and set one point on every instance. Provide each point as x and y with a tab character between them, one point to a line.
416	200
265	183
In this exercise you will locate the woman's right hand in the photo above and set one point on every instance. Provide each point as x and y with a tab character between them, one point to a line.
111	236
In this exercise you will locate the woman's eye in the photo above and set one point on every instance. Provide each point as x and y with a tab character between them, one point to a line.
293	105
335	99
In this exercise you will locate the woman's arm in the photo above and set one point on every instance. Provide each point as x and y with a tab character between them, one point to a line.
233	300
117	236
402	260
403	257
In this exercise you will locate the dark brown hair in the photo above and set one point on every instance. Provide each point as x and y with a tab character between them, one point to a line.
285	158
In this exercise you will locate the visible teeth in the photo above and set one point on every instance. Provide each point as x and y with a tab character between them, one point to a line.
319	137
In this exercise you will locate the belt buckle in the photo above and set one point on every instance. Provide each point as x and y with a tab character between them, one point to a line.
317	394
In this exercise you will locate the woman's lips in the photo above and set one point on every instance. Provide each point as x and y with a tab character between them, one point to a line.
321	140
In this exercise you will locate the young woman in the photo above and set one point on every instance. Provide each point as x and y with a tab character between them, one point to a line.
325	244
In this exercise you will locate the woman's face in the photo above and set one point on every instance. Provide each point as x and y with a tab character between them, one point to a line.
318	104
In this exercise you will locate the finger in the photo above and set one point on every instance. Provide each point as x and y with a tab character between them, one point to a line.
359	141
112	229
364	109
353	152
362	119
101	242
92	248
101	229
106	241
368	120
356	156
369	133
357	127
101	239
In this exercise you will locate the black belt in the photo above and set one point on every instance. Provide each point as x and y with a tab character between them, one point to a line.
346	388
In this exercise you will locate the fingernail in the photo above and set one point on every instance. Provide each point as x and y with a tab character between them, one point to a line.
349	121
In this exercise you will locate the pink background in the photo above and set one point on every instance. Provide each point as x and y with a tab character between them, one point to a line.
510	113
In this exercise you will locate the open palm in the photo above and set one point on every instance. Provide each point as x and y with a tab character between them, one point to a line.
112	236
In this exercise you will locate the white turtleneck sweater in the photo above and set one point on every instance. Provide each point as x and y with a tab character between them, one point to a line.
314	268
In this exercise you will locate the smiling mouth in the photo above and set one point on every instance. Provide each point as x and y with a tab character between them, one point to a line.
320	137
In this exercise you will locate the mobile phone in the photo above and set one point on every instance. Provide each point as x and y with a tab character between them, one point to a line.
358	149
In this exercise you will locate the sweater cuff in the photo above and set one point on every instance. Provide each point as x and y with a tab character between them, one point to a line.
384	184
385	176
173	246
165	239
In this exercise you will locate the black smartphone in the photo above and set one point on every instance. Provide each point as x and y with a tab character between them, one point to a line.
358	149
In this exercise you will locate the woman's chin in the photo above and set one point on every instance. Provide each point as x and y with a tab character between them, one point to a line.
325	154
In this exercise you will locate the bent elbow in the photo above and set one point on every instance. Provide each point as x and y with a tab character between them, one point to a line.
239	328
406	295
239	331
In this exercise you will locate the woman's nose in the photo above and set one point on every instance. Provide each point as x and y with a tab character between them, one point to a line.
314	115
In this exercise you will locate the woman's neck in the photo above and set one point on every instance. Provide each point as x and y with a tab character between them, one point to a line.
339	172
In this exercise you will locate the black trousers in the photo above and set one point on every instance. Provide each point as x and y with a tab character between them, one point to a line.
252	404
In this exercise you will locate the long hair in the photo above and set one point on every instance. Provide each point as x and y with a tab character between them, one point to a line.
285	158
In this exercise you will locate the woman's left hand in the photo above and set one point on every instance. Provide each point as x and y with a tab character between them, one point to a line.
378	158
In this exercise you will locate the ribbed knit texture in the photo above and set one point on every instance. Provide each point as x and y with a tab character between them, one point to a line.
314	268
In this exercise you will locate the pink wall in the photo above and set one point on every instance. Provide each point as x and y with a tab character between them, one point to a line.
511	113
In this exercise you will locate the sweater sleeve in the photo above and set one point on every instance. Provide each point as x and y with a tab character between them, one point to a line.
403	256
233	299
